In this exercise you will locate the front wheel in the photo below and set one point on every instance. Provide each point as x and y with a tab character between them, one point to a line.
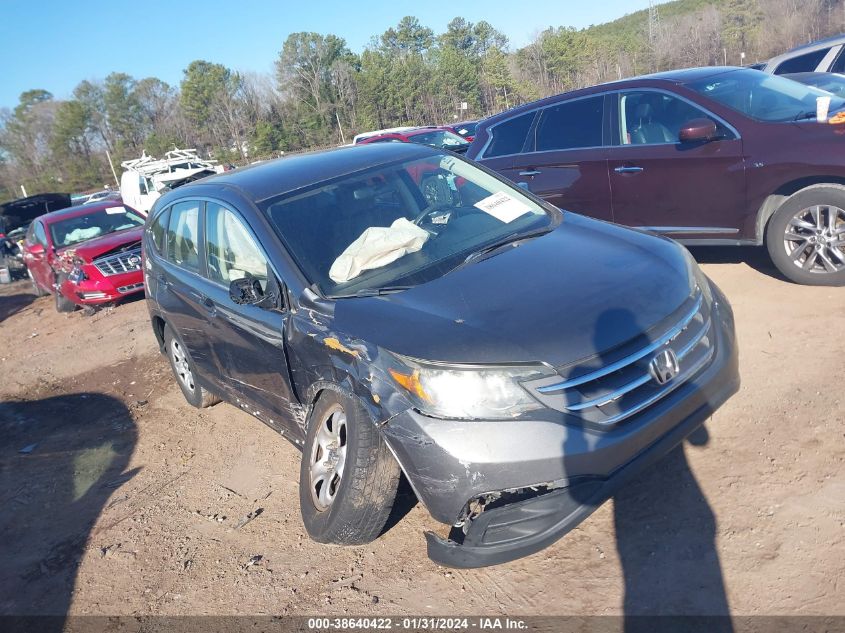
806	236
348	477
63	304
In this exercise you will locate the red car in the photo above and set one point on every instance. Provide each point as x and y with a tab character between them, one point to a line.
437	137
86	255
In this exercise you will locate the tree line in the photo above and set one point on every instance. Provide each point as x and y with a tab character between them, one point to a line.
322	93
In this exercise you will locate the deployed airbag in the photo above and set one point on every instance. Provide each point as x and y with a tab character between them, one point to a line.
376	247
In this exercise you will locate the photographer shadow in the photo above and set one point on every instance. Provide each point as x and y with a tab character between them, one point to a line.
61	459
665	529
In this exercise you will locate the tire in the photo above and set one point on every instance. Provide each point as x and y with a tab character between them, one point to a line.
38	290
185	371
364	487
806	236
63	304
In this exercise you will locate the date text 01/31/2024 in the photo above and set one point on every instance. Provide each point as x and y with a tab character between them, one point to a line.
417	623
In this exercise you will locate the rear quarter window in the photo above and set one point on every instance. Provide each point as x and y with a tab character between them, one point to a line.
158	230
509	137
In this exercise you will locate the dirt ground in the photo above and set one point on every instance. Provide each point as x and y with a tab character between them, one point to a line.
130	501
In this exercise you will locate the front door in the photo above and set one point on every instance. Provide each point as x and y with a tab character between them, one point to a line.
684	190
36	259
248	340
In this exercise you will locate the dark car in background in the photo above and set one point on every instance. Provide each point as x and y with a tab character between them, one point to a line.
438	138
86	255
824	56
707	156
516	362
19	213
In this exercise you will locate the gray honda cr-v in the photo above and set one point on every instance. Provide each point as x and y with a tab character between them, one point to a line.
396	309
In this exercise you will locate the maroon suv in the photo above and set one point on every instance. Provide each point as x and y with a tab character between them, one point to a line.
706	155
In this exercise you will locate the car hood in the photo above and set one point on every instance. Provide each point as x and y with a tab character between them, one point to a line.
582	289
97	246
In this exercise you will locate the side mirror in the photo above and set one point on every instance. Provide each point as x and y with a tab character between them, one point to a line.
698	131
36	248
246	291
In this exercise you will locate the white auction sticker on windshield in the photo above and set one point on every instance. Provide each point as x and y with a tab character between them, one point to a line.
502	207
115	210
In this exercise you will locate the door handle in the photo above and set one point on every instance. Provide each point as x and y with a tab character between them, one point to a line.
628	170
162	280
209	306
530	172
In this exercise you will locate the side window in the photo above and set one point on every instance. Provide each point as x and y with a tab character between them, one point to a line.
509	137
182	235
158	230
40	235
803	63
231	251
30	234
648	118
571	125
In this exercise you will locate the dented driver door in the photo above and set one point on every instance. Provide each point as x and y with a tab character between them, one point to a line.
248	340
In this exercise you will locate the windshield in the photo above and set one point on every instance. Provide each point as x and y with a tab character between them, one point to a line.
466	129
763	97
399	224
440	139
94	224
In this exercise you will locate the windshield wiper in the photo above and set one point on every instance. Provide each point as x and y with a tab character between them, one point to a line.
801	116
509	240
372	292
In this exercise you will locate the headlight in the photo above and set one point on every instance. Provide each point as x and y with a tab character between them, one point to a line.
697	278
76	273
458	392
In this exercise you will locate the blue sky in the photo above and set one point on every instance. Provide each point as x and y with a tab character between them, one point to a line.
54	44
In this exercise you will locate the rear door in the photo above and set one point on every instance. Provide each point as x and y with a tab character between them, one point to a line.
685	190
564	161
178	282
247	340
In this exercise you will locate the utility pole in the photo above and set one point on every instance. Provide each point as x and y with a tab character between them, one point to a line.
113	172
653	23
340	127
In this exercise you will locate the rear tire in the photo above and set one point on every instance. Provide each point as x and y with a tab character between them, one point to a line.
806	236
185	372
348	477
63	304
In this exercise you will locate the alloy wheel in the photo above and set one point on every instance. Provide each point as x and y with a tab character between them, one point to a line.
180	364
328	458
815	239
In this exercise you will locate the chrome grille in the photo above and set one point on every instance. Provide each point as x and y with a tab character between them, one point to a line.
119	263
607	391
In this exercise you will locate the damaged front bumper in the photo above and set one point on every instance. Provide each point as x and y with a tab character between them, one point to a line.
511	488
